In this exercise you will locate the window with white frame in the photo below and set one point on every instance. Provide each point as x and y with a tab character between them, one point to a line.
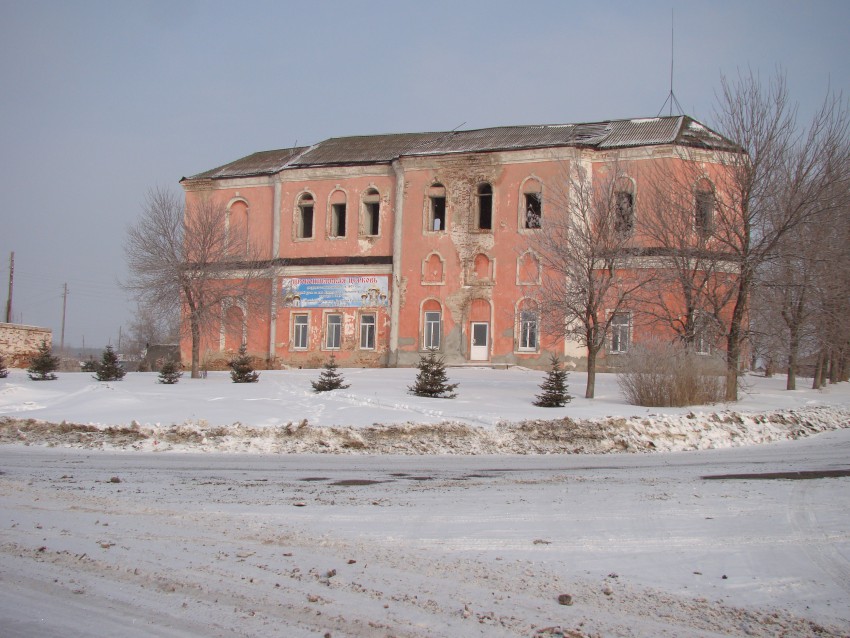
333	331
432	330
528	330
300	332
704	333
620	329
367	332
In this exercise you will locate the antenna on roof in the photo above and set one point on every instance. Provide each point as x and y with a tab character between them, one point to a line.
671	97
458	126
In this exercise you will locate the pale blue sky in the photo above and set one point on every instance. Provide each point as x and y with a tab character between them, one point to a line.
101	101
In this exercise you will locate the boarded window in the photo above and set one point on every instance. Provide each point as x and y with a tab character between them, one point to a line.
704	211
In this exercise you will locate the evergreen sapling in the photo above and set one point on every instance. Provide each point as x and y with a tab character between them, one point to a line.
170	372
109	369
330	379
241	370
554	387
431	380
43	365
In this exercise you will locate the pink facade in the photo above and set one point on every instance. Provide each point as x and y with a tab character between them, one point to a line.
383	246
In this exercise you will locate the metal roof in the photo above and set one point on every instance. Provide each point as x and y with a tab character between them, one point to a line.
383	149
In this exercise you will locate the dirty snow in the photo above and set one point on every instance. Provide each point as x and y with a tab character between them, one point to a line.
103	534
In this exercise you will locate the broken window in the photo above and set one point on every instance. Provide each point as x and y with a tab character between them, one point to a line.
437	208
367	332
333	332
371	212
624	214
704	211
432	330
338	220
300	332
528	324
484	217
532	201
620	331
304	223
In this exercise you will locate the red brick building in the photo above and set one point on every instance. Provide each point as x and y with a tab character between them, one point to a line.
385	245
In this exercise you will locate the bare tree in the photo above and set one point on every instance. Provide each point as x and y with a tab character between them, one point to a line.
151	326
193	260
583	244
775	183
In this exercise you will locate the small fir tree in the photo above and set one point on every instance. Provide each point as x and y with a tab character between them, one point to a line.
330	379
4	371
431	380
109	369
241	370
44	364
170	372
554	387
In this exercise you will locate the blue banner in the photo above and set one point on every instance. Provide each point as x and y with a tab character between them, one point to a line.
353	291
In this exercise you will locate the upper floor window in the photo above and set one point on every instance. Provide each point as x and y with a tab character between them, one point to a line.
371	213
624	212
337	217
304	221
532	200
704	208
484	206
437	208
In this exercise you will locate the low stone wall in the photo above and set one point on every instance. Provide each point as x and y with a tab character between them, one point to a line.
18	344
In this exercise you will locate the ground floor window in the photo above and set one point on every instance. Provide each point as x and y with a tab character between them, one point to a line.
333	332
528	328
432	330
300	332
367	332
620	327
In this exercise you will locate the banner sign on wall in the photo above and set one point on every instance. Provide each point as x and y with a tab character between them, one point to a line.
335	292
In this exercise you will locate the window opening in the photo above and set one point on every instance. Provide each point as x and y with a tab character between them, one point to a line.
300	332
437	220
533	210
367	332
528	330
485	207
371	212
704	213
333	338
625	212
620	323
305	216
432	330
338	220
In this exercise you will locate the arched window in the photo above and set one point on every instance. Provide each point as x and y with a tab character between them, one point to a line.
704	206
234	325
484	207
436	220
304	217
624	206
338	214
527	326
532	202
371	220
432	325
237	226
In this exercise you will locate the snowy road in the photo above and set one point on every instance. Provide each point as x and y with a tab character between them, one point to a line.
139	544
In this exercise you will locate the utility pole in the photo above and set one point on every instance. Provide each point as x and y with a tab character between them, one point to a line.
11	280
64	305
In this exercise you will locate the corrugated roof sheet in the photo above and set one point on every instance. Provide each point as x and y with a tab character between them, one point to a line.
262	163
378	149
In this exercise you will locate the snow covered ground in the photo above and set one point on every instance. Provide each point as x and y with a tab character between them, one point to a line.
123	522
